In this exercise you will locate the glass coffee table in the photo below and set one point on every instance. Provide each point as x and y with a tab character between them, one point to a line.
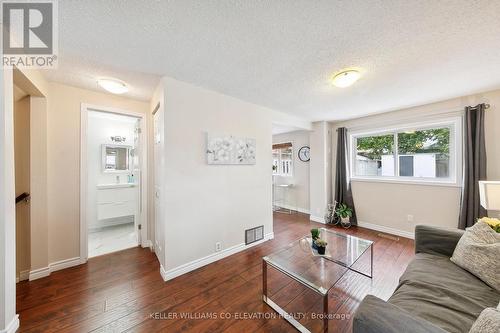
301	262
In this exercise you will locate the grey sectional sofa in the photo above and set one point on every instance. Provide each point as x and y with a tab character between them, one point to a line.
433	296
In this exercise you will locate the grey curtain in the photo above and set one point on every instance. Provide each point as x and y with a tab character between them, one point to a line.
342	189
474	166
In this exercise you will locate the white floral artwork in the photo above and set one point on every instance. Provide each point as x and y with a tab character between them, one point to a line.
230	150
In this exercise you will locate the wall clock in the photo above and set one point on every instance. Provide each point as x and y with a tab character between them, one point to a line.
304	154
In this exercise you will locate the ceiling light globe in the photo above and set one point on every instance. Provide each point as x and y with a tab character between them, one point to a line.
346	78
113	86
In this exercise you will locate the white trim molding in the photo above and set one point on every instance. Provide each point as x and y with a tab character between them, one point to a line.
55	266
23	276
294	208
163	273
143	221
387	230
190	266
453	123
317	219
13	325
39	273
147	244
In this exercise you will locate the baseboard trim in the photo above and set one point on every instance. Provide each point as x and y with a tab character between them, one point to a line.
190	266
66	263
23	276
39	273
55	266
147	243
317	219
387	230
12	326
297	209
163	273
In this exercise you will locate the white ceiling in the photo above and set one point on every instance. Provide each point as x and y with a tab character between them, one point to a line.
280	129
280	54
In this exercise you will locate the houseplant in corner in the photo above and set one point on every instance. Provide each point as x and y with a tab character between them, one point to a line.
321	246
345	213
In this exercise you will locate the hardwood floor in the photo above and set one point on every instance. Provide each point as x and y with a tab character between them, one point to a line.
123	291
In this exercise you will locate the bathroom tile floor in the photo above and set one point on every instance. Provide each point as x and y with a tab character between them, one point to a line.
111	239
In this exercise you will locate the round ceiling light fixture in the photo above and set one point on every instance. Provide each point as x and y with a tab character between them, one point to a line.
113	86
346	78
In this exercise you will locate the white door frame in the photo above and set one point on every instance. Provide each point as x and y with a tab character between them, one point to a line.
145	242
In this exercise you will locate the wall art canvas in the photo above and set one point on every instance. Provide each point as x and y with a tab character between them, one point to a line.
230	150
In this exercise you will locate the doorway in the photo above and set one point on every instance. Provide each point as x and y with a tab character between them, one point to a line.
22	182
113	180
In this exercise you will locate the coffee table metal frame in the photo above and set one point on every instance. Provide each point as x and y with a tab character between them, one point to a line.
321	291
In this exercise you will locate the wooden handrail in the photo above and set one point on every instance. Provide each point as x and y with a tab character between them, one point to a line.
24	196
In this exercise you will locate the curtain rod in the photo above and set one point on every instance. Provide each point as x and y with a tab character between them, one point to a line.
486	106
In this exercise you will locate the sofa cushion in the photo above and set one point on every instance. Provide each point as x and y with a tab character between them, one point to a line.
488	322
437	290
478	252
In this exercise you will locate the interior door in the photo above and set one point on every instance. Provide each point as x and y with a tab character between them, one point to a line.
159	164
137	174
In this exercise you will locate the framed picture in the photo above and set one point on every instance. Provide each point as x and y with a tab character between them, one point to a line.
230	150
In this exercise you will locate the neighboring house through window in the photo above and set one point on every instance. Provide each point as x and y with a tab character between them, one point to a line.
419	152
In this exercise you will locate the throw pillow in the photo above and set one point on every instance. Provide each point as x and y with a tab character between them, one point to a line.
487	322
478	251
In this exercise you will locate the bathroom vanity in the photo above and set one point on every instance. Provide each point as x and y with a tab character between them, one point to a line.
116	200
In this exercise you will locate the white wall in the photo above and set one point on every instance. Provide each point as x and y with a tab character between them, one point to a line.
205	204
100	128
297	196
63	161
320	172
386	206
8	318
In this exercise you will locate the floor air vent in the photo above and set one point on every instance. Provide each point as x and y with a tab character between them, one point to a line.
254	234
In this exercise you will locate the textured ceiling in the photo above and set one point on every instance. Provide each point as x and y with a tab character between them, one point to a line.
280	54
280	129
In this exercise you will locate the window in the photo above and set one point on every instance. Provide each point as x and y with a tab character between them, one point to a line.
283	159
425	152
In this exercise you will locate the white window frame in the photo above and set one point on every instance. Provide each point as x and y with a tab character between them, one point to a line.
279	173
456	149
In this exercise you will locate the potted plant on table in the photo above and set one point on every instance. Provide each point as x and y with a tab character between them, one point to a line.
344	212
314	236
315	233
321	246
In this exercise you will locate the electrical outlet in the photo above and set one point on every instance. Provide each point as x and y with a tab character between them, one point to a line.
410	218
218	247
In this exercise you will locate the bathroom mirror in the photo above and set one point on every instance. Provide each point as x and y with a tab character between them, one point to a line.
115	158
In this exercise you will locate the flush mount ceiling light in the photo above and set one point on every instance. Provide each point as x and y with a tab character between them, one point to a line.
346	78
113	86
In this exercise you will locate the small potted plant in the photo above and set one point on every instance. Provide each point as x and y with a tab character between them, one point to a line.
315	233
314	236
345	213
321	245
